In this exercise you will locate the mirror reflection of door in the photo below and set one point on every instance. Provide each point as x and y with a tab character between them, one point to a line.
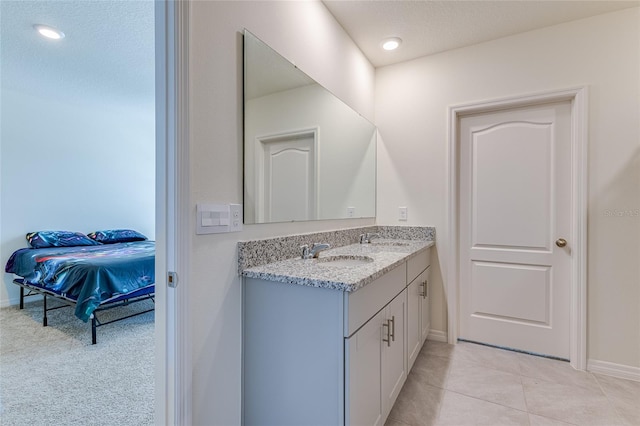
289	189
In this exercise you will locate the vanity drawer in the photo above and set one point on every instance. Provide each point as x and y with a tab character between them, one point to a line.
417	264
362	304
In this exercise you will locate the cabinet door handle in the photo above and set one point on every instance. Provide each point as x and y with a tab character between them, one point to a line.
393	328
388	339
426	288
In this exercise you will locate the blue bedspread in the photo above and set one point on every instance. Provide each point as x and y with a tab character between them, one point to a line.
89	275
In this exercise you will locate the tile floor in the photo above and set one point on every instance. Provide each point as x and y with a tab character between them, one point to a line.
469	384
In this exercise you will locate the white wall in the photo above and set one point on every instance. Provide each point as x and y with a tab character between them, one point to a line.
602	53
306	33
80	165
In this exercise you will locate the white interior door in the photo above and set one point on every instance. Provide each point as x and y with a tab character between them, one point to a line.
289	170
515	213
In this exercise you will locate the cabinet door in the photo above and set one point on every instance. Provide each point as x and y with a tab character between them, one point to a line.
394	358
425	311
414	313
363	387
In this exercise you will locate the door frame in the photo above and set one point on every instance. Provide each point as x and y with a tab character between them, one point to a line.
172	332
578	97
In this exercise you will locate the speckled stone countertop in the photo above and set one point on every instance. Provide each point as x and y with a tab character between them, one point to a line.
385	254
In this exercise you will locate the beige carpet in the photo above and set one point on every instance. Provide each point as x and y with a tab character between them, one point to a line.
54	376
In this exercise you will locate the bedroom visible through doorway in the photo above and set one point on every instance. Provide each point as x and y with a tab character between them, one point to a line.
77	153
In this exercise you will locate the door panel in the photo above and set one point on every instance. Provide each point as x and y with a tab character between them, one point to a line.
523	292
425	312
289	183
414	305
526	147
515	182
394	361
363	350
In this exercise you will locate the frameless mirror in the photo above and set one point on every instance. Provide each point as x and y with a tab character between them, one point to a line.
307	155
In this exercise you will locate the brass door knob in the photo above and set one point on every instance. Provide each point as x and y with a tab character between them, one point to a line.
561	242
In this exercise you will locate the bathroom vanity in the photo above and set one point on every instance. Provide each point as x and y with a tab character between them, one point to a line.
330	340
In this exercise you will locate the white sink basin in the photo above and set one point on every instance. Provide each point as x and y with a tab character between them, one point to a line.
344	260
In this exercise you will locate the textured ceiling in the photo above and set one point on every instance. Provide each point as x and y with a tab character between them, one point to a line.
108	50
427	27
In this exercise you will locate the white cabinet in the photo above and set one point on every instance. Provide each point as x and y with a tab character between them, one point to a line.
394	355
418	316
364	384
315	356
377	366
425	311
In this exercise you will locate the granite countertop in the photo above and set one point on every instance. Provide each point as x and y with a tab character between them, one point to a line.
384	254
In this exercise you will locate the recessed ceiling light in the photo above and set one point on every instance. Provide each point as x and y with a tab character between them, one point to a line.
49	32
391	43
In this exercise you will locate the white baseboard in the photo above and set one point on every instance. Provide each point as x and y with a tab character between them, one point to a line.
615	370
437	335
15	301
5	303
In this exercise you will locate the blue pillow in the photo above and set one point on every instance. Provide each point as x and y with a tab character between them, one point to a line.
112	236
43	239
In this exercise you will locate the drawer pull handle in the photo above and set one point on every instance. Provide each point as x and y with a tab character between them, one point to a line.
393	328
388	339
425	289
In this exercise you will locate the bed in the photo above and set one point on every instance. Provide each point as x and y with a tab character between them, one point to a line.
92	277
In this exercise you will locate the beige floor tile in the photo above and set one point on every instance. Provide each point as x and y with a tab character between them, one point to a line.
624	395
555	371
460	410
535	420
432	369
418	403
571	404
487	384
432	347
490	386
393	422
499	359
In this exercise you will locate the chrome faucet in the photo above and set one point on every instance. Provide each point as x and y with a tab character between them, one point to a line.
366	238
314	251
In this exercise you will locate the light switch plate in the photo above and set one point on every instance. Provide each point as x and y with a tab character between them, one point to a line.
211	218
403	213
218	218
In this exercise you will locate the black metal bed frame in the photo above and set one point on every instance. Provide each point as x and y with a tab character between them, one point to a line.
95	322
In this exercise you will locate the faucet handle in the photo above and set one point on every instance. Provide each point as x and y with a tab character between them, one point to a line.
305	251
366	238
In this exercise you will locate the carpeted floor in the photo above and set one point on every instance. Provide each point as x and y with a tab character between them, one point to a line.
54	376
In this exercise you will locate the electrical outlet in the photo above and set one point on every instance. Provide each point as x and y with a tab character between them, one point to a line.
236	217
351	211
403	213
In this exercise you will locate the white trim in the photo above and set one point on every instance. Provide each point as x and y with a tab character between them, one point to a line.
578	98
163	390
183	225
620	371
173	360
437	336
